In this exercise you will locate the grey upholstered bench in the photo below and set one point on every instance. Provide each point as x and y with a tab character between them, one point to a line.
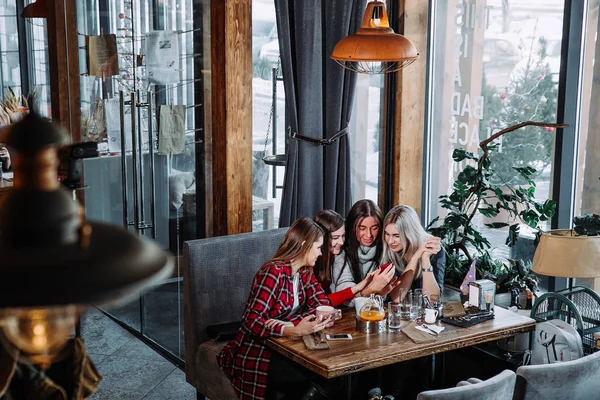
217	273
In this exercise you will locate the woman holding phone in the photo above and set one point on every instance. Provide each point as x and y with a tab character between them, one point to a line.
333	243
362	252
282	302
415	253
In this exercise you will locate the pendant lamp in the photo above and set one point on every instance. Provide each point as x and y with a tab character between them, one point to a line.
375	48
53	263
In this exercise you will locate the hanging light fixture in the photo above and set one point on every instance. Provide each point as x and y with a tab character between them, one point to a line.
53	263
374	48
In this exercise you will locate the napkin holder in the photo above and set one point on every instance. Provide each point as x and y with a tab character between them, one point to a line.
477	291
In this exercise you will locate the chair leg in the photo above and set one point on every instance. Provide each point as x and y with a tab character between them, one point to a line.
200	396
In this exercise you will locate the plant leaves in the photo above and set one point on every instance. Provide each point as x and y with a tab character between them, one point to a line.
513	235
459	155
496	225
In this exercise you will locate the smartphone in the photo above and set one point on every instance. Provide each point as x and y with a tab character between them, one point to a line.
339	336
384	266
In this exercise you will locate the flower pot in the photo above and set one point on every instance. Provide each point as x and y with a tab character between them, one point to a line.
502	300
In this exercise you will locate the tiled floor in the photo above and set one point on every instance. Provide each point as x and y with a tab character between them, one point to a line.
130	369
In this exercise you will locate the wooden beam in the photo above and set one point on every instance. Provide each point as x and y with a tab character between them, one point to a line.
231	87
63	60
410	105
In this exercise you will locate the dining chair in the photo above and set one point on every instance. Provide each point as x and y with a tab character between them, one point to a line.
499	387
573	380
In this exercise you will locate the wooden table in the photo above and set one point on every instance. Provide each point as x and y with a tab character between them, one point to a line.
368	351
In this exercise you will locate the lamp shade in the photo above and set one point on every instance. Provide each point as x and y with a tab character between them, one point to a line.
562	254
374	48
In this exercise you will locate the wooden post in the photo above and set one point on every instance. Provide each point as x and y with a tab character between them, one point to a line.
63	60
231	78
410	102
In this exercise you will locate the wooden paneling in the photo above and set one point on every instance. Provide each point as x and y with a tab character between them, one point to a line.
410	106
367	351
64	65
231	64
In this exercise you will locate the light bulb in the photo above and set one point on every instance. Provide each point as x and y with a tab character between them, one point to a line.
39	332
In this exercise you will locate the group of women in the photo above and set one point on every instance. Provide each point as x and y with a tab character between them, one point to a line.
325	261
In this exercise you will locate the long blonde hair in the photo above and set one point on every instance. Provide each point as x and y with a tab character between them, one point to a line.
412	235
298	240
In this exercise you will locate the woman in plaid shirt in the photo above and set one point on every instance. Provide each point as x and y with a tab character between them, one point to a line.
284	289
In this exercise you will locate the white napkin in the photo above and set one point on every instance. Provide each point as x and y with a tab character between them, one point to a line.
437	329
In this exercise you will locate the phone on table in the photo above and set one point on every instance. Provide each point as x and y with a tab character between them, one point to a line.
339	336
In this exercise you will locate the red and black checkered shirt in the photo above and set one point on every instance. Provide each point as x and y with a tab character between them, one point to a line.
245	359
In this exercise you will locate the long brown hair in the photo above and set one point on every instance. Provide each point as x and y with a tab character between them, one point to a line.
298	240
330	221
360	210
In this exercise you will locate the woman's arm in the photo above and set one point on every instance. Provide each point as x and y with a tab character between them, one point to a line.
430	285
341	274
348	294
264	294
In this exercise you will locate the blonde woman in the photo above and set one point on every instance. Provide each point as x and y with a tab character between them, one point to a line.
415	253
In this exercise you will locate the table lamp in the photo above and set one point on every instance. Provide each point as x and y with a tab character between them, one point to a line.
53	262
562	254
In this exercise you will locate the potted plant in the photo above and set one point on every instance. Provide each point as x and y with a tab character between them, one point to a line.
475	192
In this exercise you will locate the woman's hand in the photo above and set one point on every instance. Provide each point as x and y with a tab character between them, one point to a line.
381	279
394	283
274	322
309	324
360	286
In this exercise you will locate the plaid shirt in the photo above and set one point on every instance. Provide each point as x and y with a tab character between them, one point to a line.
245	360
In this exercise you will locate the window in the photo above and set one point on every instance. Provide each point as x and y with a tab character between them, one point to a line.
493	65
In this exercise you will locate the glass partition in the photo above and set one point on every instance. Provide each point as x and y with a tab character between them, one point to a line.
143	69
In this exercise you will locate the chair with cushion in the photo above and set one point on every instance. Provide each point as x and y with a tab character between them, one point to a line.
574	380
499	387
217	274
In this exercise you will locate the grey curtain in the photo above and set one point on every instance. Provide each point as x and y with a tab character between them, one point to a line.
319	96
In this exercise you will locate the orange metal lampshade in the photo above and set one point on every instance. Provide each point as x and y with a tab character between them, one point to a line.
375	48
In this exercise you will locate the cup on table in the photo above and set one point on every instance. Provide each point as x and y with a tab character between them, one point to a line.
358	303
324	312
431	315
394	316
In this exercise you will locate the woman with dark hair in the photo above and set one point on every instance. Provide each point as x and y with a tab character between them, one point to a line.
333	242
283	289
362	252
410	248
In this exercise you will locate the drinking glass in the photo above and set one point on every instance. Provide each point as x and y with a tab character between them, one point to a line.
394	316
405	303
488	297
416	306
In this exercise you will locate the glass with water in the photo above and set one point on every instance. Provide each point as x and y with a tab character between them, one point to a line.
405	303
394	316
416	307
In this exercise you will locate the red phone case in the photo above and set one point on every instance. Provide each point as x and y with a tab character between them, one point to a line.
384	266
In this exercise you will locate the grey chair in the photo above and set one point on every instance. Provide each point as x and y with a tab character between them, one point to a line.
499	387
570	380
217	274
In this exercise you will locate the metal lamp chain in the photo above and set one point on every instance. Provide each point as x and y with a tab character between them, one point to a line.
272	110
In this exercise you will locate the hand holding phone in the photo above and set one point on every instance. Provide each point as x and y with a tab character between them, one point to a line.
339	336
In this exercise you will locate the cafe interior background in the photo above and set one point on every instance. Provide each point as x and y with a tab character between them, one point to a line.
478	64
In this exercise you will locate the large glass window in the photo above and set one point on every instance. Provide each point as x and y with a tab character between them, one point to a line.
494	64
587	193
10	74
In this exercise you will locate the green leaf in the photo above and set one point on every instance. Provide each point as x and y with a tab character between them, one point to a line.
489	212
513	235
530	217
459	155
469	175
496	225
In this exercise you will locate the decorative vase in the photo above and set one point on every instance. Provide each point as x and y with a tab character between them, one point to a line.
502	300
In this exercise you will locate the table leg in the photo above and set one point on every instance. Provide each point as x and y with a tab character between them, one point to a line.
347	386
